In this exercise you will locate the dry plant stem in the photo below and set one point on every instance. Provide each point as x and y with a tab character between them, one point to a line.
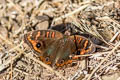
106	18
36	11
102	47
113	61
7	41
3	66
79	72
97	53
21	28
97	33
99	77
11	73
15	48
115	36
103	61
16	7
69	14
46	66
21	71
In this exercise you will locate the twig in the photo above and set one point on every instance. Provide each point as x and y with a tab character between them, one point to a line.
21	71
16	7
7	41
103	61
108	64
115	36
11	72
4	65
97	53
69	14
46	66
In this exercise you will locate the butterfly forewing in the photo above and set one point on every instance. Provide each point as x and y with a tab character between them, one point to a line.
41	39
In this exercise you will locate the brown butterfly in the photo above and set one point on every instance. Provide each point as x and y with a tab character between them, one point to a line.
55	49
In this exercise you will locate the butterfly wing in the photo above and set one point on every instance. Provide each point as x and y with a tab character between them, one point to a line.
59	55
54	48
83	45
66	46
40	40
64	52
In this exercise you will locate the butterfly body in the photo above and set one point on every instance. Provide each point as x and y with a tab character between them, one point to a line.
54	48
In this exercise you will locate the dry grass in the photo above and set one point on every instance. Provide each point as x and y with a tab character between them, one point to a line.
98	18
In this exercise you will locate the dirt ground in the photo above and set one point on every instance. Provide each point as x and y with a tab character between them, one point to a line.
97	20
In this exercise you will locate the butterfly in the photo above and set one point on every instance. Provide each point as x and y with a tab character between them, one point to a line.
55	48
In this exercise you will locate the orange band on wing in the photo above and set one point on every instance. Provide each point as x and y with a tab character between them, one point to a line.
82	51
66	62
33	44
85	44
43	59
53	34
38	35
47	34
